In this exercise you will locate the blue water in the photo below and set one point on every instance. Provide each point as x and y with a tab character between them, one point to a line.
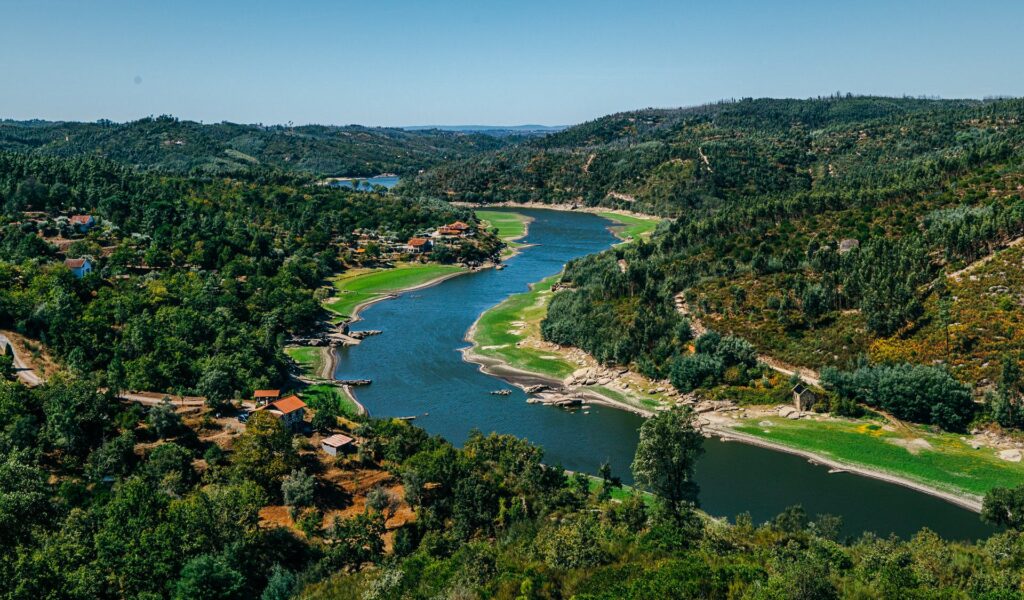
417	371
368	184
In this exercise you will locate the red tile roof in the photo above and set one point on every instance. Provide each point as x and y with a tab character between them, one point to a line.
266	394
459	225
288	405
417	242
80	219
74	263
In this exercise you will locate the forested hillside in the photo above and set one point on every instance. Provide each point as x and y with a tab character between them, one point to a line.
196	282
181	147
819	231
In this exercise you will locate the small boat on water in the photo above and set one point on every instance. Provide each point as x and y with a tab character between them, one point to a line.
501	393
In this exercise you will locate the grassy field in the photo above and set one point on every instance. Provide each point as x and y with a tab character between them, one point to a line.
512	321
942	461
510	225
311	361
361	285
309	358
317	395
632	227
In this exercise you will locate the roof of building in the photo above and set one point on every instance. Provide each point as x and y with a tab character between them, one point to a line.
459	225
337	440
80	219
266	394
288	405
417	242
75	263
800	388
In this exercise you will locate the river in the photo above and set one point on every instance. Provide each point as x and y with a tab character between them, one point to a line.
417	371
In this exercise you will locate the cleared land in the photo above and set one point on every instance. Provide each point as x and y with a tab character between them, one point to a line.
360	286
510	225
500	329
309	358
632	227
311	361
940	460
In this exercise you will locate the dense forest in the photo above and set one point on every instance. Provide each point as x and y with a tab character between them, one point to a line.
832	233
197	282
825	232
100	499
183	147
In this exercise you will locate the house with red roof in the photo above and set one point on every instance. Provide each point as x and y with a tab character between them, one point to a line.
456	229
290	410
419	245
80	267
82	223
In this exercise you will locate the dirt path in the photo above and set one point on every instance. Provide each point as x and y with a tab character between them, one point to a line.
808	375
957	275
22	365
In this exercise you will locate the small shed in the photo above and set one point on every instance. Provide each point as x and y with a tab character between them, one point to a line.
265	396
336	443
804	397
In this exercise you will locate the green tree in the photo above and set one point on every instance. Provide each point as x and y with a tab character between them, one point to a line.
298	488
263	453
1004	507
115	458
24	500
209	577
666	457
7	372
280	585
164	419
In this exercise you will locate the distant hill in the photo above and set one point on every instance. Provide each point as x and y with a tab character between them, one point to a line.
176	146
770	201
495	130
670	160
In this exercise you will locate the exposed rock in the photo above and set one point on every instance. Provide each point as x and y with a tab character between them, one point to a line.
1012	455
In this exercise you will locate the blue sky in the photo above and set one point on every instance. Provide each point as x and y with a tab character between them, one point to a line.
404	62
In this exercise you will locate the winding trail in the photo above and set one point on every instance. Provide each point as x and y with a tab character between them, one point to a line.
22	367
808	375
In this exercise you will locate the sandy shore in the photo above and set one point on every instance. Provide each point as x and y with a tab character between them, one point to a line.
354	317
562	207
523	379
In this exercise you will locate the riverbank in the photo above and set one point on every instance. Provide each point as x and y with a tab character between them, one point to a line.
562	207
359	288
728	433
505	341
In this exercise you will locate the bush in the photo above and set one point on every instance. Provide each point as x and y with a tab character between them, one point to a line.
917	393
694	371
